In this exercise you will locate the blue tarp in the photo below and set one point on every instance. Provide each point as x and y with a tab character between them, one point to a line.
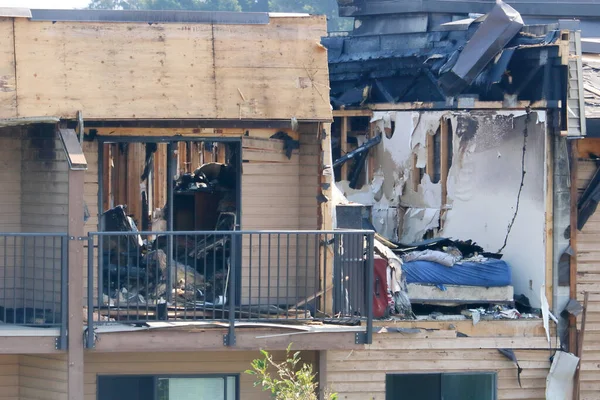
490	273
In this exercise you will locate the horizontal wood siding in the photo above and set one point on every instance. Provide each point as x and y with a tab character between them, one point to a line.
11	287
9	377
181	70
361	374
44	208
42	377
192	363
278	193
588	276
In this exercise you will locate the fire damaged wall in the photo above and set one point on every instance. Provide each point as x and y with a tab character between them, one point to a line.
464	175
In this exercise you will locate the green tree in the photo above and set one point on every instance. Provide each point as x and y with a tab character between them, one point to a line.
327	7
114	5
289	381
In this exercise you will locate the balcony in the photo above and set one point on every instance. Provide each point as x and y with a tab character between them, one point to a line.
231	278
33	279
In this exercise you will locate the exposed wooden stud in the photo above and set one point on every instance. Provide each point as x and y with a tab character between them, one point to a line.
344	147
444	165
371	157
430	148
415	173
107	175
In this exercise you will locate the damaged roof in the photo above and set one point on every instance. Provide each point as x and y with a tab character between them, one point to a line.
556	8
591	85
486	58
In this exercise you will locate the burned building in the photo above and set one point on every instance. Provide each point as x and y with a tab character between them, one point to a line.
174	189
452	133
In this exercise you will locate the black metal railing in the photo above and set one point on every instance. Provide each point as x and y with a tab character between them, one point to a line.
33	279
230	276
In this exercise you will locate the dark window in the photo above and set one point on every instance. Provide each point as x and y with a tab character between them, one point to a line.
457	386
214	387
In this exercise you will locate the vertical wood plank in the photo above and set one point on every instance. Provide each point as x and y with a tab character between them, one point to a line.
444	166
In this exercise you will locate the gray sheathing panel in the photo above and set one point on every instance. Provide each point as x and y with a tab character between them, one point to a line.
499	28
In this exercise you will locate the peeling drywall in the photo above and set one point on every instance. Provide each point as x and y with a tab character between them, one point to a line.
496	191
495	187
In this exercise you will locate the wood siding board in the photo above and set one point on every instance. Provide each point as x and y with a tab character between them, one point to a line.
178	363
588	273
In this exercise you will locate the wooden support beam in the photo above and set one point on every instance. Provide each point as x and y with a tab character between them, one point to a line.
116	131
344	147
325	216
75	285
475	105
353	113
200	338
444	165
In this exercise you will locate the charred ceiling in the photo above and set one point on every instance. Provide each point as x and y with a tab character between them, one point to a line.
491	58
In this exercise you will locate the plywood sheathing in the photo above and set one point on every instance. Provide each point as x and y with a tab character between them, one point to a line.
8	92
152	71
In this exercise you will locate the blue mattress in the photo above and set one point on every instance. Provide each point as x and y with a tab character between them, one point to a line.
490	273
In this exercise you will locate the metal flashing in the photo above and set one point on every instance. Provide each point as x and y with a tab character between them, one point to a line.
155	16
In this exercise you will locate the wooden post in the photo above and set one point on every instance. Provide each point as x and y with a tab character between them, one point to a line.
326	211
344	147
322	377
75	286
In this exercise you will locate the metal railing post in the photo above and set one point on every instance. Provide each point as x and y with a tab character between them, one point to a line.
64	295
90	342
229	339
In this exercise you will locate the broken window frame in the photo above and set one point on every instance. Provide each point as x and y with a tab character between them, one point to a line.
172	145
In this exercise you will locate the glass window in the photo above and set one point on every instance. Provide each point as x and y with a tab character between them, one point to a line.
454	386
167	388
